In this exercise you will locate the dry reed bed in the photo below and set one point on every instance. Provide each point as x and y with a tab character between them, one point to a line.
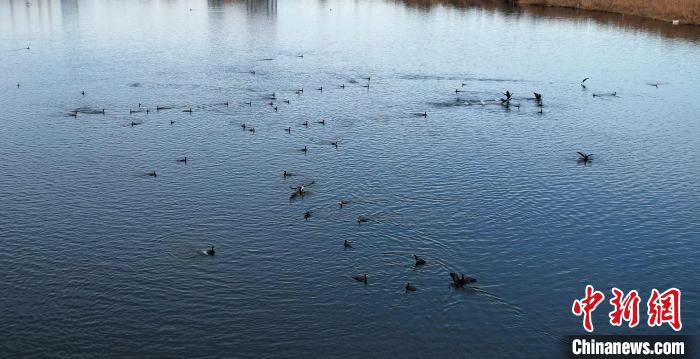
686	11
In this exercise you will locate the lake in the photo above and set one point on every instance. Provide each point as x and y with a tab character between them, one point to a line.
99	258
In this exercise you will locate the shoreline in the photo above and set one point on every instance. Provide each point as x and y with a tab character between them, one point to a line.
686	12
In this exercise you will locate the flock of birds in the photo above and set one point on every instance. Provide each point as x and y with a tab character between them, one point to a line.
456	280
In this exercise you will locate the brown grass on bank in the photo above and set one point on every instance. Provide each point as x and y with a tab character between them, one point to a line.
687	11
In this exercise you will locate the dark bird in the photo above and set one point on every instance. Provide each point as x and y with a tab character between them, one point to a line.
584	80
148	111
306	123
153	174
458	90
367	86
362	219
302	56
424	114
300	190
347	244
307	215
334	144
27	48
585	157
288	129
305	149
188	110
251	129
506	100
360	278
243	126
323	122
183	160
249	103
410	287
73	114
171	122
343	202
251	72
459	282
133	123
83	93
275	108
286	101
538	97
367	78
419	261
18	85
463	84
210	251
342	86
226	103
320	88
286	174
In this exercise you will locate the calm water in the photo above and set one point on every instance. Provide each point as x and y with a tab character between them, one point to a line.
98	258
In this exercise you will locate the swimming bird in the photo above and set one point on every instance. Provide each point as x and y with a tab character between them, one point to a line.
188	110
288	129
73	114
506	101
134	123
251	72
367	86
307	215
153	174
360	278
362	219
183	159
424	114
585	157
305	150
334	144
171	122
463	84
302	56
211	251
342	86
286	174
306	123
538	97
612	94
286	101
275	108
343	202
347	244
243	126
419	261
251	129
83	93
249	103
301	189
320	89
27	48
458	90
18	85
410	287
368	78
459	282
584	80
226	103
323	122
